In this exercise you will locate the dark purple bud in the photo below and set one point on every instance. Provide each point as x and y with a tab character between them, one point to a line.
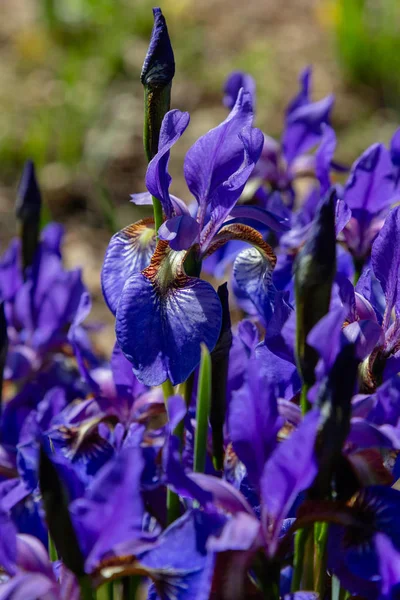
157	74
314	271
334	400
159	65
220	363
27	209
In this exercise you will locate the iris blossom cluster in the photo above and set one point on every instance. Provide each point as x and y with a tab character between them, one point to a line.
242	438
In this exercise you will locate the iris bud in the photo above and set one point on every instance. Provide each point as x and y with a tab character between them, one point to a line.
27	209
314	271
157	74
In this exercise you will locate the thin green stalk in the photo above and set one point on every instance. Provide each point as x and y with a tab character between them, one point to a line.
168	389
304	403
300	547
173	506
106	591
320	543
52	549
202	411
158	215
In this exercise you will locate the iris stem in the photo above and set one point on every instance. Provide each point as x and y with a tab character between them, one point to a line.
52	549
158	215
202	411
167	389
87	592
304	403
320	541
300	546
130	586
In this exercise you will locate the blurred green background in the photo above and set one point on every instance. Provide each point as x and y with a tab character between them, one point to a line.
70	96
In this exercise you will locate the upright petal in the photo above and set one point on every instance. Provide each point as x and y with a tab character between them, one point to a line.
225	195
386	262
254	421
235	82
157	177
162	318
217	154
369	186
303	124
129	251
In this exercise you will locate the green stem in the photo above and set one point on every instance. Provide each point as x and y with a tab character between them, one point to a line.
87	592
202	412
130	586
320	542
304	403
167	389
158	214
52	549
173	506
300	544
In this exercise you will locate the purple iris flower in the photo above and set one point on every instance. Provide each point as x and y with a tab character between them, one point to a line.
30	574
40	308
182	311
365	305
360	554
370	191
281	163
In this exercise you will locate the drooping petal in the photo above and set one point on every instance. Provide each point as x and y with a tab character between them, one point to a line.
235	82
28	586
163	317
218	154
111	512
180	564
157	177
129	251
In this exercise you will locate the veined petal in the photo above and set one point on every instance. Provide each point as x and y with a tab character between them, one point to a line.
180	564
157	177
129	251
163	317
217	154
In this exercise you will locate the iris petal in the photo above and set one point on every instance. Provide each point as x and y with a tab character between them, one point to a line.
163	317
129	251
